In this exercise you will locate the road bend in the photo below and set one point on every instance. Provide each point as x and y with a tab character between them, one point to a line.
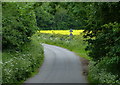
60	66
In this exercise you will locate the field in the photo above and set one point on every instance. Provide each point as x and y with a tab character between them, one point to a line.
63	32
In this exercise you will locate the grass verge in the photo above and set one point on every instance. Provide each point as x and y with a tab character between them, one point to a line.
75	43
21	64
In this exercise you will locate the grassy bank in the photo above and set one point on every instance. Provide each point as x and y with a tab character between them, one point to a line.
18	65
75	43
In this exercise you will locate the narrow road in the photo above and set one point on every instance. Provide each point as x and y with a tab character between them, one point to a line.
60	66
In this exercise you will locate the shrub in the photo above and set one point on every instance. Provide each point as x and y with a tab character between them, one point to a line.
18	24
105	50
106	43
98	74
19	65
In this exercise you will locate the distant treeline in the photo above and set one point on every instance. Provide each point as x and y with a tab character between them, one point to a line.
60	16
72	15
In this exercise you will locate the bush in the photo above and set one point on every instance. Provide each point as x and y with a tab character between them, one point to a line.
18	24
19	65
98	74
106	43
105	50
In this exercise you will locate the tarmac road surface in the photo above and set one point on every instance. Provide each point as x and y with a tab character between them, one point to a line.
60	66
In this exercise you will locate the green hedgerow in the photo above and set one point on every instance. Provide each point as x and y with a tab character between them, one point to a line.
19	65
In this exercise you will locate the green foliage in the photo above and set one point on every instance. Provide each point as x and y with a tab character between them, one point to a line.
18	23
107	44
99	14
74	43
0	67
98	73
43	17
105	47
102	33
107	41
101	22
19	65
51	15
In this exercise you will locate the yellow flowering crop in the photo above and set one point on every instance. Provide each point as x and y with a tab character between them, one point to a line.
63	32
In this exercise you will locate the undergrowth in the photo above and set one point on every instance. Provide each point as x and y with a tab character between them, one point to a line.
18	65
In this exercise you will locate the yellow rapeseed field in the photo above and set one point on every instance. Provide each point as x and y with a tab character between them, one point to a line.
63	32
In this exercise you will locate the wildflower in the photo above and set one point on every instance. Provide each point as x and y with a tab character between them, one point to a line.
1	63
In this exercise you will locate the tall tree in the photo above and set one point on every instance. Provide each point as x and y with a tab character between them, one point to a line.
18	24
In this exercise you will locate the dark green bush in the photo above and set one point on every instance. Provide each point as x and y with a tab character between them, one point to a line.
106	43
103	36
105	50
99	74
18	23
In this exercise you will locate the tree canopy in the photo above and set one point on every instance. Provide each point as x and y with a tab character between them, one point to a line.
18	22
